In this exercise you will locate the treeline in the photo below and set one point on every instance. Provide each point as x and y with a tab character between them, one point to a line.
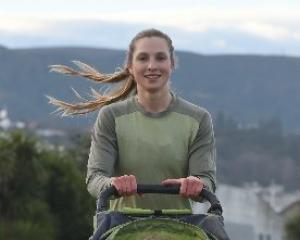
261	153
42	191
42	186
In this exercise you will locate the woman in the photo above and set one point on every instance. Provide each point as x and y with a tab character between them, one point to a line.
153	136
145	134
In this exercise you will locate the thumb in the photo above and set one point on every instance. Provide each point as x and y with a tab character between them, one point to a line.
170	181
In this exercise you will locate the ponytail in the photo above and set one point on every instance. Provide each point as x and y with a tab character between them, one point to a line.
85	106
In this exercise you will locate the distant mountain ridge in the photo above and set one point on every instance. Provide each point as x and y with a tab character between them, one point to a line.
249	88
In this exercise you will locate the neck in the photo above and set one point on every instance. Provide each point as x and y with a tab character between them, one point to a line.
154	102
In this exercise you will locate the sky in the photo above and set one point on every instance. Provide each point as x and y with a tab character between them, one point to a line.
269	27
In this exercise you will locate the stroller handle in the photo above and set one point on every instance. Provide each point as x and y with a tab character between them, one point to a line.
103	200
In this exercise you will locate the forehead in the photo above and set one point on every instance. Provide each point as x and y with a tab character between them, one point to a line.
151	45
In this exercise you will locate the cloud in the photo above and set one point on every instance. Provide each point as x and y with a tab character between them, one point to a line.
268	31
273	22
17	26
200	28
219	43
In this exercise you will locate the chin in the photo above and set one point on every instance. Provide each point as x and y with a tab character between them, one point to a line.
152	88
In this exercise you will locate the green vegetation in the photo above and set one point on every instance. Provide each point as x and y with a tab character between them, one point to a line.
292	228
42	192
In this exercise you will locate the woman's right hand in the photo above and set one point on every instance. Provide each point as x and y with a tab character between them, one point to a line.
126	185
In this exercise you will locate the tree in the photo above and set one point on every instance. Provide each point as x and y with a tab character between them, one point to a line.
24	213
67	197
42	192
292	228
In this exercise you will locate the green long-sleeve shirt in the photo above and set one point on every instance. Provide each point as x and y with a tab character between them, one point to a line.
175	143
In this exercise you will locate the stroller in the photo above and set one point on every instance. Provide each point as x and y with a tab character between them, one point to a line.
168	224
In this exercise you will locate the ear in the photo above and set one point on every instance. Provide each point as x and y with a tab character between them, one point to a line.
130	70
174	62
172	67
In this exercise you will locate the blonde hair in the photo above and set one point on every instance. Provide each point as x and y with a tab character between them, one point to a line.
128	84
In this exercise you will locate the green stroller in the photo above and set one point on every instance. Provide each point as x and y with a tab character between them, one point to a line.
168	224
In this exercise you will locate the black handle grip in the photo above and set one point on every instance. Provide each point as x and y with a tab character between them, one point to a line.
103	200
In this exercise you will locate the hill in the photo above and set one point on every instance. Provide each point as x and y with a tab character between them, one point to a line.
250	88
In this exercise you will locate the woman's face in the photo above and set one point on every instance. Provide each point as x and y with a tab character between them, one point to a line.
151	64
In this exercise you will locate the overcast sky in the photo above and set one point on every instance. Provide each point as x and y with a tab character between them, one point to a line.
211	26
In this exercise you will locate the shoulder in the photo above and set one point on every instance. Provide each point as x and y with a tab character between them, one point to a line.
192	110
117	109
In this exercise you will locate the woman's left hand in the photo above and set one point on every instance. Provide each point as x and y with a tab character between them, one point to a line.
189	187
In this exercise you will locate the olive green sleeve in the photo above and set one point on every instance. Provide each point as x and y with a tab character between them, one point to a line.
103	153
202	153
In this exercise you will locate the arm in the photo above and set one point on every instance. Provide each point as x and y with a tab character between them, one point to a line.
202	154
103	153
201	157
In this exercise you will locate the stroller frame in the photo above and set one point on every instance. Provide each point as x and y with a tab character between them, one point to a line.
109	223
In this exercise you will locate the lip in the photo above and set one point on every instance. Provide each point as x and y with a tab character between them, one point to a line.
152	76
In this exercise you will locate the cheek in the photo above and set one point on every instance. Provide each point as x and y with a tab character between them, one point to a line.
169	71
130	70
137	69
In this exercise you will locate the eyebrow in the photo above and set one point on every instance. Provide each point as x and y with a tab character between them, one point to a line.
146	53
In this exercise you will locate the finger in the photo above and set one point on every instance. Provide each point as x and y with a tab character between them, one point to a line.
121	185
199	186
126	185
199	189
193	187
116	182
196	188
132	184
189	189
184	188
193	191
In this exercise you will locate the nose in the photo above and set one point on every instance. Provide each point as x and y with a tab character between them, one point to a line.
152	65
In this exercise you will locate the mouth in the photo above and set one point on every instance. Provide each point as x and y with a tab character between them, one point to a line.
152	76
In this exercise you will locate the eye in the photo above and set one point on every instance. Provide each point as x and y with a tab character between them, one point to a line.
161	57
142	57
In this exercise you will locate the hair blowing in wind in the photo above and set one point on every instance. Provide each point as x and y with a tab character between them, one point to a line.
126	83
